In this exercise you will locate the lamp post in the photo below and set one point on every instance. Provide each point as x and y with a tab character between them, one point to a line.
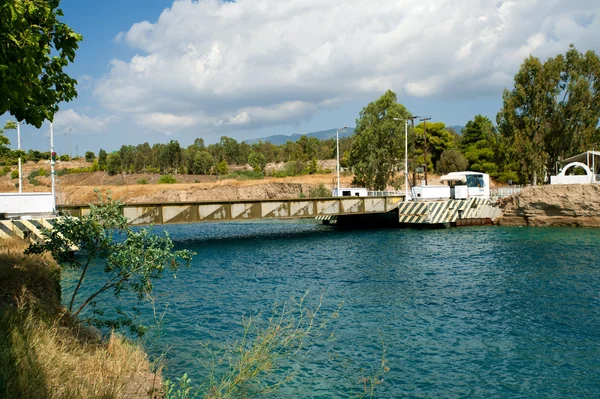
20	164
52	159
337	140
406	196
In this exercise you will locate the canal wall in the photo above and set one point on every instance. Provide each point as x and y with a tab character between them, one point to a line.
576	205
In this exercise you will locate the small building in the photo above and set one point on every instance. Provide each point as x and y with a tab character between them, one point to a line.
467	184
587	162
349	192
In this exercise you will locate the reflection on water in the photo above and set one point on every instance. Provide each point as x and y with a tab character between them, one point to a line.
471	312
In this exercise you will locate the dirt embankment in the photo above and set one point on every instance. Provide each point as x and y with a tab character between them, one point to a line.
574	205
222	190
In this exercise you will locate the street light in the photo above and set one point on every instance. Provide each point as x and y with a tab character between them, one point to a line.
406	196
337	140
52	174
20	164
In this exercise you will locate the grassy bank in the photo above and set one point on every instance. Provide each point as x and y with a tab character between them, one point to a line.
44	353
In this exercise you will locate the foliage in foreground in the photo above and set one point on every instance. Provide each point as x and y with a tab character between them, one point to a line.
36	48
46	354
263	360
133	259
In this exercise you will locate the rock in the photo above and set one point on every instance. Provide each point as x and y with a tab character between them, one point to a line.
576	205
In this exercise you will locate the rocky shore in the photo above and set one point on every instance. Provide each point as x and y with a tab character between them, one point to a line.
559	205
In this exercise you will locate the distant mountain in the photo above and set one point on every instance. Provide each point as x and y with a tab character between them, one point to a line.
321	135
457	128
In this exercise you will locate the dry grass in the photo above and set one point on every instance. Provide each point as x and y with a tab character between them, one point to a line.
44	353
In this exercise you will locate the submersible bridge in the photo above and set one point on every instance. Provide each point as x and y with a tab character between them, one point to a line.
348	211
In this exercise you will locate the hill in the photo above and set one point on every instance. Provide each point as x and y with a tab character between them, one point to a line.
321	135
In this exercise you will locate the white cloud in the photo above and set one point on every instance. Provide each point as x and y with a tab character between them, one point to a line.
250	63
75	123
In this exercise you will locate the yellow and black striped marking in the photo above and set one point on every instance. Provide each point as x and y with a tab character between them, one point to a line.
440	212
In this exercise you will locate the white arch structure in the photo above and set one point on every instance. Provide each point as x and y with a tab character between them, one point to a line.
563	178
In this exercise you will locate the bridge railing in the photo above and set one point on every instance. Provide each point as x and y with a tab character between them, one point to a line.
385	193
503	192
215	211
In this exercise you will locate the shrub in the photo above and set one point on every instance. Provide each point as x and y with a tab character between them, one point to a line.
222	168
167	179
42	172
95	234
95	167
65	158
34	182
14	174
319	191
245	175
4	171
62	172
142	181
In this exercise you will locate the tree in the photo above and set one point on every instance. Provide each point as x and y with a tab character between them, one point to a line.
480	145
203	163
113	164
4	141
102	159
439	139
451	161
132	260
378	142
257	161
90	156
552	111
222	168
35	48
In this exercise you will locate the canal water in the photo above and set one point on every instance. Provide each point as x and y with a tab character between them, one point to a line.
482	312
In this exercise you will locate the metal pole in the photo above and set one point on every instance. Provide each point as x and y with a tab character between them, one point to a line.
20	165
52	169
337	140
406	160
425	148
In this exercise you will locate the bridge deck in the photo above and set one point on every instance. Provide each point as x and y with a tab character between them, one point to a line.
218	211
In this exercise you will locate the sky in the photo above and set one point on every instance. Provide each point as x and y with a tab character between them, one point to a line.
160	70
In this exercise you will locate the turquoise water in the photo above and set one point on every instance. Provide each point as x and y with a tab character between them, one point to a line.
465	313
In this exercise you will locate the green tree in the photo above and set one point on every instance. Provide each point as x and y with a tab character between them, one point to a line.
132	259
90	156
439	139
102	159
222	168
552	111
113	164
203	163
480	145
4	141
451	161
35	48
257	161
378	142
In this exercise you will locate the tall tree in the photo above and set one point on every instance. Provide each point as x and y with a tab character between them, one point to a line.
439	139
552	111
378	143
35	47
102	159
479	144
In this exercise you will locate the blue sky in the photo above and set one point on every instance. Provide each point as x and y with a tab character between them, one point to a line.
161	69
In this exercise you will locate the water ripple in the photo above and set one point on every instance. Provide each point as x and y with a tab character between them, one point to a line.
470	312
